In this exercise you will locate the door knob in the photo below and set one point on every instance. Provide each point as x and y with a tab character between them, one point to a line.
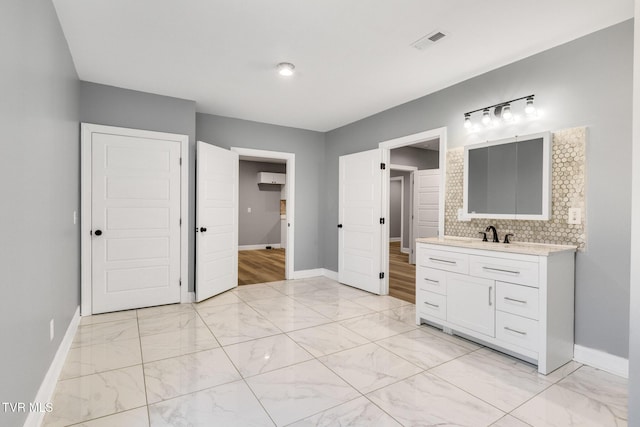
98	232
203	229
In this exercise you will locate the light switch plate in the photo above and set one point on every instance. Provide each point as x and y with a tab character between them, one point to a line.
575	216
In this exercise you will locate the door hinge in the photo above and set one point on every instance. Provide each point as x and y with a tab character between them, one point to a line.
180	161
180	283
180	221
383	166
381	220
382	275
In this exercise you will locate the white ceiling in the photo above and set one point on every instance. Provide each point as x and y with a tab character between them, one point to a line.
353	57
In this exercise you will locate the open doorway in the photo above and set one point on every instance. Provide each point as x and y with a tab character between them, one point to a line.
417	162
265	216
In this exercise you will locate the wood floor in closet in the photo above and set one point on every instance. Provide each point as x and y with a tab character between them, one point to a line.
402	275
260	266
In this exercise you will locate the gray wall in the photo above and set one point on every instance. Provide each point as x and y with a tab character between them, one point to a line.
586	82
308	147
634	320
113	106
395	209
39	170
407	205
411	156
262	225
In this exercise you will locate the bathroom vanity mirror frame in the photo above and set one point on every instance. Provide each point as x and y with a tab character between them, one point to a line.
541	188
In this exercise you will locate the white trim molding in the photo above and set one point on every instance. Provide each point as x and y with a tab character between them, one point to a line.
601	360
290	159
87	129
48	386
316	272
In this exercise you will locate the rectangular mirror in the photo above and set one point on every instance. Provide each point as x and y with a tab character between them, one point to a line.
509	178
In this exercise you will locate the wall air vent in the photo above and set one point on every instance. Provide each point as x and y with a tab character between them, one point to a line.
428	40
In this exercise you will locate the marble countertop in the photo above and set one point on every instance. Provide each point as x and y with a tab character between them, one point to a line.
525	248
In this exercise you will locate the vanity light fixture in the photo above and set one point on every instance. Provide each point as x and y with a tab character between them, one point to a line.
502	111
286	69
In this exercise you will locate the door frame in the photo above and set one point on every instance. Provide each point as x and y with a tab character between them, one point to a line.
401	179
404	141
410	170
87	129
290	159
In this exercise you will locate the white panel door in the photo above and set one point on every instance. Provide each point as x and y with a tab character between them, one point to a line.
216	221
360	210
135	220
426	206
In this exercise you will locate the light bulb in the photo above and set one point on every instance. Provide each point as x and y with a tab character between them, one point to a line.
530	109
467	121
486	117
286	69
506	113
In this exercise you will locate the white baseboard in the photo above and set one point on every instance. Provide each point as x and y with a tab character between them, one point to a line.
599	359
395	239
258	247
192	297
405	250
315	272
48	386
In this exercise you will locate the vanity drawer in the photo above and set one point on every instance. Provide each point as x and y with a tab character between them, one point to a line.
517	330
429	279
444	260
508	270
431	304
517	299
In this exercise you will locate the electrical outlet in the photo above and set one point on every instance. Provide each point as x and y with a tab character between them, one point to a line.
575	216
51	330
248	210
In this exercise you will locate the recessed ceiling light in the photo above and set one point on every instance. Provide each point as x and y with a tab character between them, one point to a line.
286	69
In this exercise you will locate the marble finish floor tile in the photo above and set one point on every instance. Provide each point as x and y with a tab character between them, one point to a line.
425	400
185	374
138	417
380	302
509	421
102	357
358	412
293	287
341	309
298	391
404	313
602	386
234	323
170	322
101	333
376	326
177	343
162	310
423	349
255	292
108	317
563	371
93	396
228	297
265	354
288	314
230	404
500	380
369	367
326	339
561	407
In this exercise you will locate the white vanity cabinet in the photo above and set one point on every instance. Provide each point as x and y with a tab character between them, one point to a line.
515	298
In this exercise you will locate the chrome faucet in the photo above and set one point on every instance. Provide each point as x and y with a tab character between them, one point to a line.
495	233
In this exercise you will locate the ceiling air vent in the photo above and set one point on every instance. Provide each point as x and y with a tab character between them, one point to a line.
428	40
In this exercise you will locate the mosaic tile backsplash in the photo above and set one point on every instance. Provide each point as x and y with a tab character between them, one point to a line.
567	191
